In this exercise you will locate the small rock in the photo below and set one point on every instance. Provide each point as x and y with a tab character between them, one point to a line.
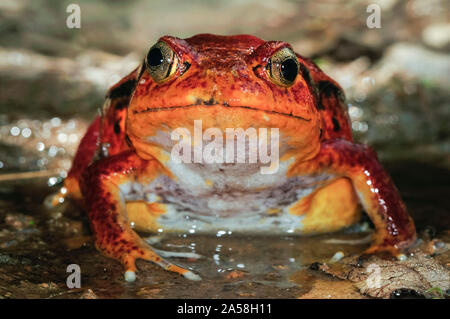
19	221
66	227
401	59
379	278
280	267
437	35
76	242
235	274
89	294
337	256
50	285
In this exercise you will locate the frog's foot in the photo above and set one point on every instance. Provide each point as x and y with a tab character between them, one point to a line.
388	245
379	248
153	239
54	199
129	262
177	254
383	252
394	228
156	239
108	214
386	250
70	189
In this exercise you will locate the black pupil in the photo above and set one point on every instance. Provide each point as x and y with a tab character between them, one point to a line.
289	69
155	57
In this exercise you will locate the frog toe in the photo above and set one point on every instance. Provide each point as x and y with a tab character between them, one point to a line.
191	276
149	254
168	254
53	200
382	249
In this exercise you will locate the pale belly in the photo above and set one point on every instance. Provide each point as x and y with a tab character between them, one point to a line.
226	198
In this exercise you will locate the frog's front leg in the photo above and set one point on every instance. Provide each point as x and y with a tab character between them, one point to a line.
394	228
105	202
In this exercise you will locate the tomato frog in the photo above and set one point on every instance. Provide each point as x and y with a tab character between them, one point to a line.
125	175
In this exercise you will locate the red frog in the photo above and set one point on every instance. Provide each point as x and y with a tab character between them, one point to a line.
128	180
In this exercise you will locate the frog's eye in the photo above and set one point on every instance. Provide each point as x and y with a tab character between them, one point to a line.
283	67
162	62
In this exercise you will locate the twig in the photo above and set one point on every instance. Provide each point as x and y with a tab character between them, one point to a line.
27	175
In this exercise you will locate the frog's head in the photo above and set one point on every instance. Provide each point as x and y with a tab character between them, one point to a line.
226	82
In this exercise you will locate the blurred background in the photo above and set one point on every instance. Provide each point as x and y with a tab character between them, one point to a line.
53	79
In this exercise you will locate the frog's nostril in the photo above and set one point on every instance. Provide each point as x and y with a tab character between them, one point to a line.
211	101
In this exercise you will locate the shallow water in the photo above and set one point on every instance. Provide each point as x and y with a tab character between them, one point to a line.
37	244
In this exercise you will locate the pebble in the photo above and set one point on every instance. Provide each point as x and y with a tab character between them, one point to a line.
337	256
89	294
437	35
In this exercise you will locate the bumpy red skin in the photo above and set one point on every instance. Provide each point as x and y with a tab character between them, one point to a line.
107	130
336	154
102	204
375	187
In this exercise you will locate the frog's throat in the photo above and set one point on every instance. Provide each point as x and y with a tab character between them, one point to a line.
170	108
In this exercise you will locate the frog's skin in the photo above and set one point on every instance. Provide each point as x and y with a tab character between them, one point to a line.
124	175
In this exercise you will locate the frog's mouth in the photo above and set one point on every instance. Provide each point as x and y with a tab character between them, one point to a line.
208	103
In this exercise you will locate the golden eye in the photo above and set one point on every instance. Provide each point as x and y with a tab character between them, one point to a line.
283	67
162	62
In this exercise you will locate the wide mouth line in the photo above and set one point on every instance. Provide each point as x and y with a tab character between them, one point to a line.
168	108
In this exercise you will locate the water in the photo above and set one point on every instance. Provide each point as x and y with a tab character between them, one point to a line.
37	245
